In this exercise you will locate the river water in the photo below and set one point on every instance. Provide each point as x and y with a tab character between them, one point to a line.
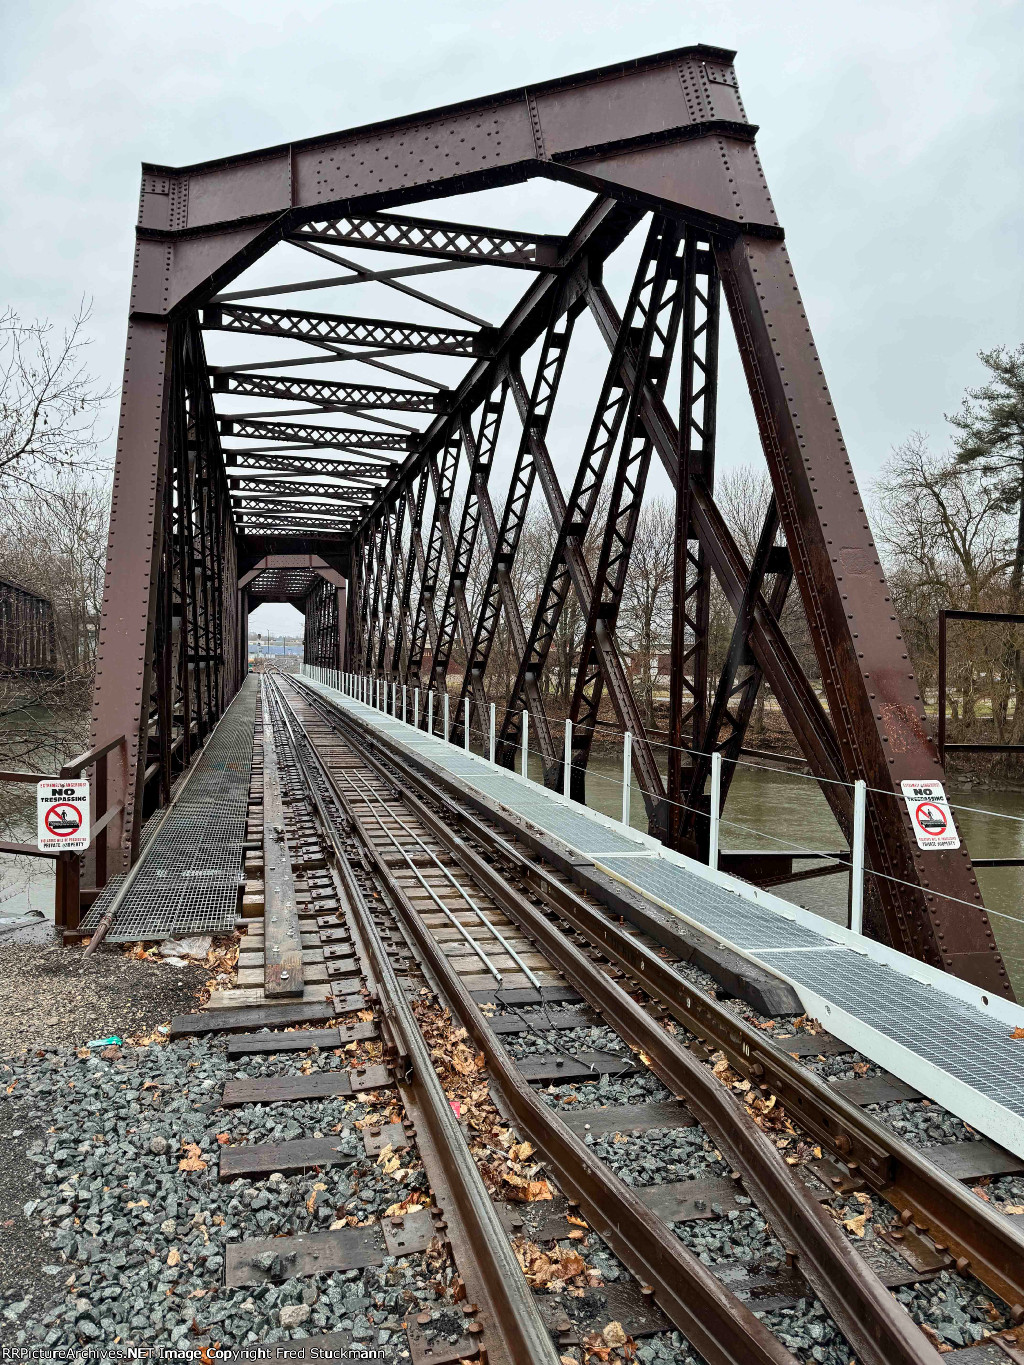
782	810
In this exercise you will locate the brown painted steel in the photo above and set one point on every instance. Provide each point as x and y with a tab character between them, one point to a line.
665	135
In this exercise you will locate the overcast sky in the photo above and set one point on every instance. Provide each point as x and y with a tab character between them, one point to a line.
890	136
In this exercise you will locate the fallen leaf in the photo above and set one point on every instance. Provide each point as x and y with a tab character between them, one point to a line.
614	1334
1017	1032
193	1160
223	1139
856	1225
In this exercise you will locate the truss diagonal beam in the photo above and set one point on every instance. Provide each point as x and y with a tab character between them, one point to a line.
499	593
656	346
569	567
442	479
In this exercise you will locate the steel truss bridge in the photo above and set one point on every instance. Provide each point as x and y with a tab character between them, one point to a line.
28	638
368	500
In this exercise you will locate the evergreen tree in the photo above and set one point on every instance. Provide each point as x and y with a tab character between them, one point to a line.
990	424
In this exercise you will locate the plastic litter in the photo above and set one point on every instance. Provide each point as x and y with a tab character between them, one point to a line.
112	1041
176	952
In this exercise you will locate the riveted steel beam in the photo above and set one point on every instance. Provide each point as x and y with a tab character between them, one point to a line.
318	328
327	393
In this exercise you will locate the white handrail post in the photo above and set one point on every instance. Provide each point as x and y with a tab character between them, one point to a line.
492	733
860	806
465	724
525	735
447	716
416	707
567	759
430	711
627	775
716	808
405	704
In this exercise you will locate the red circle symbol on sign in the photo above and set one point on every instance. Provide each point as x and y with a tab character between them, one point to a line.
63	821
932	819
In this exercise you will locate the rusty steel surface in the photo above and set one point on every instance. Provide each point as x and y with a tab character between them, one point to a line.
390	477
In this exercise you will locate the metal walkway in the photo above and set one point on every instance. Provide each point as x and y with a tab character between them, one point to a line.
941	1035
193	861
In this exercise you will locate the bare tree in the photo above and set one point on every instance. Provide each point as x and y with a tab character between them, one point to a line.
948	537
49	403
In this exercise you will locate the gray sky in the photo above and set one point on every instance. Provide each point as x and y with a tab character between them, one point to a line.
890	136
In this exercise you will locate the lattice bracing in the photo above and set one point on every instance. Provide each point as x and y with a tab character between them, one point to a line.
449	509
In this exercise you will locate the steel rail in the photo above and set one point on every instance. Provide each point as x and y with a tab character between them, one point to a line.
495	933
488	966
872	1320
519	1334
719	1325
979	1238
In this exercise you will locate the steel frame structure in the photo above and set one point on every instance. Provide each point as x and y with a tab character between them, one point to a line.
664	146
28	635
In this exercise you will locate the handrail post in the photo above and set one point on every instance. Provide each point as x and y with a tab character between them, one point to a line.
430	712
405	703
526	743
465	725
492	736
716	809
101	809
627	776
860	803
447	715
567	759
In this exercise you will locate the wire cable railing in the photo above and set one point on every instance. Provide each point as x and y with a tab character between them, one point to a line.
430	710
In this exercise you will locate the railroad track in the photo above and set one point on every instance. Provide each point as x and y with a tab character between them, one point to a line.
491	929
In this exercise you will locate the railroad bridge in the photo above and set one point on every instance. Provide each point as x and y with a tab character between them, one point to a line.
28	638
407	846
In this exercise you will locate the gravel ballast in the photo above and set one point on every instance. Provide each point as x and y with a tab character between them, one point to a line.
132	1245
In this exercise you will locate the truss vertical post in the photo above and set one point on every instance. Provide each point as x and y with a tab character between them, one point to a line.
124	651
691	577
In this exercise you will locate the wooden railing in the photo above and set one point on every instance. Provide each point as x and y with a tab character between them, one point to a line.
69	894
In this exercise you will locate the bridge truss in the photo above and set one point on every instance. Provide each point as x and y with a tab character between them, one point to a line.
376	493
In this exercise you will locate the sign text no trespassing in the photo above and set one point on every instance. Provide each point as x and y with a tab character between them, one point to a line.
62	808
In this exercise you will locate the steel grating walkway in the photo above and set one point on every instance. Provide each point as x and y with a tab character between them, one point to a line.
939	1034
192	870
